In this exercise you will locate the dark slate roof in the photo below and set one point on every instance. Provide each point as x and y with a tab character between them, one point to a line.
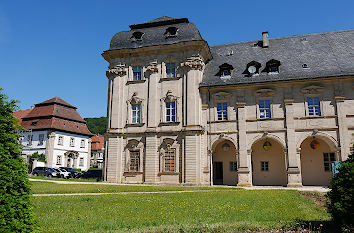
326	54
154	33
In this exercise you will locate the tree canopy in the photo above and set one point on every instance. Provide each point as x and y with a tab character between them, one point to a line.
96	125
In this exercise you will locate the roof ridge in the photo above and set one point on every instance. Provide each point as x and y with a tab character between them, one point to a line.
285	37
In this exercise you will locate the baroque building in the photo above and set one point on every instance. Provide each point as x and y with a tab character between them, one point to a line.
265	112
55	128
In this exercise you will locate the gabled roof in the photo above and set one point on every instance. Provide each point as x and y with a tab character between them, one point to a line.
325	55
53	114
97	142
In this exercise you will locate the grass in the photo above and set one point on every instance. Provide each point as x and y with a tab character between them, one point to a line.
40	187
223	210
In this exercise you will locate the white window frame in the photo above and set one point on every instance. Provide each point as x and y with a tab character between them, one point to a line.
138	118
81	162
72	142
82	143
29	139
319	105
171	110
141	73
259	109
58	159
60	140
217	112
40	139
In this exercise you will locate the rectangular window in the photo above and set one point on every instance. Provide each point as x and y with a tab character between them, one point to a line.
170	70
59	160
60	140
264	166
169	160
264	109
233	166
41	139
313	104
170	111
328	158
72	142
30	138
81	162
137	72
136	113
82	145
221	109
134	161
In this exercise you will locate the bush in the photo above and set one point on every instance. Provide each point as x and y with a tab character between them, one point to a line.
15	208
341	197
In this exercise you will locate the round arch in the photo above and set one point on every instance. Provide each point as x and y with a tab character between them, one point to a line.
268	160
224	162
317	152
331	141
268	136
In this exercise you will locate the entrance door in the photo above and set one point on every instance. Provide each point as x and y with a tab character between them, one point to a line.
218	173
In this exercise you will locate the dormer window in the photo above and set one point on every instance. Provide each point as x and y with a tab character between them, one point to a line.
272	67
225	70
137	35
252	68
171	32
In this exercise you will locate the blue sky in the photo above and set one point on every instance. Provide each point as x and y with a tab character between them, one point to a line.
53	48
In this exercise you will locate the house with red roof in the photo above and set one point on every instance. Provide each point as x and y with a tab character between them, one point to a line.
97	150
55	128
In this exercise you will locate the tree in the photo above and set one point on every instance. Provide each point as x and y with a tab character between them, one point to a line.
96	125
341	196
15	209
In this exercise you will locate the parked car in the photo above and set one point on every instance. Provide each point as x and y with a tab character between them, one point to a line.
63	173
97	173
51	172
74	173
39	171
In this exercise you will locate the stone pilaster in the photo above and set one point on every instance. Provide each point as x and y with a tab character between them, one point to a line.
293	157
342	128
50	148
117	76
192	158
151	158
89	153
153	115
244	157
113	161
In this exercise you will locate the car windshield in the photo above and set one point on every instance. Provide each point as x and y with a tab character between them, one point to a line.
63	170
51	169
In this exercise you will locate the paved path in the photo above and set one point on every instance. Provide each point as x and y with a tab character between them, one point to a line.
305	188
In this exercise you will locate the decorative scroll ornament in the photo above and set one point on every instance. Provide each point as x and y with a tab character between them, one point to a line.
314	144
170	97
267	146
194	62
265	92
135	99
153	67
118	70
312	89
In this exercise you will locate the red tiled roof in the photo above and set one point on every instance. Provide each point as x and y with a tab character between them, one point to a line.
20	114
97	142
54	114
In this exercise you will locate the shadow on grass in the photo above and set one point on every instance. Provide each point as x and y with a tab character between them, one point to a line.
315	226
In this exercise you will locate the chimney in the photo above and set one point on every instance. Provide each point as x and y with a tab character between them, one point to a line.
265	39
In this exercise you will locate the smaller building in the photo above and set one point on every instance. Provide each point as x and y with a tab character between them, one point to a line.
55	128
97	150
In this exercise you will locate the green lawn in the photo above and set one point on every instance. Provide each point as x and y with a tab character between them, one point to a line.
220	210
40	187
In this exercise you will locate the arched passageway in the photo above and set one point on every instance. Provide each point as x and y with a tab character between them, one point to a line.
316	157
224	163
268	163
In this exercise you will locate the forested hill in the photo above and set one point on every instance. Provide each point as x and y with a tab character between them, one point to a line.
96	125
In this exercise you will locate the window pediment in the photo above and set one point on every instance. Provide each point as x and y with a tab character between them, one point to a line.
135	99
264	92
312	89
170	97
222	95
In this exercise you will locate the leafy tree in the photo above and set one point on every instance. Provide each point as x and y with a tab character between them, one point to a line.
341	197
96	125
15	209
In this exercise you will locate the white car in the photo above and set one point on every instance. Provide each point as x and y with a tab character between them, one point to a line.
63	173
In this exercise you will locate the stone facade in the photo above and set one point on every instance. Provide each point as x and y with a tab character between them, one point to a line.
197	144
